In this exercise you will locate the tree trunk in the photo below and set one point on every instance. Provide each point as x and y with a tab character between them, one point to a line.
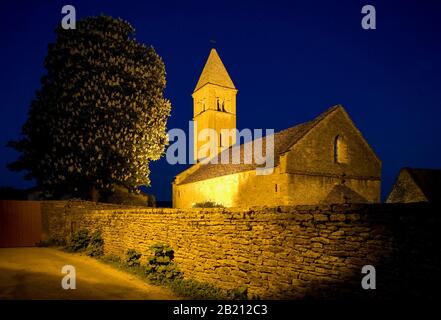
94	194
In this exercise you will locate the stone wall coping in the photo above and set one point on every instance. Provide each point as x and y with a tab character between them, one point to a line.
340	212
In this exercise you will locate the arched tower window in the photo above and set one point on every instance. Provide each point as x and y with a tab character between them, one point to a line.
340	150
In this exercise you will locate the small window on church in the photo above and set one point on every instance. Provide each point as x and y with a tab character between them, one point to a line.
223	106
340	150
220	139
218	104
275	189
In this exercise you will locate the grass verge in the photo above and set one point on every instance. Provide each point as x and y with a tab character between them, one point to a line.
186	288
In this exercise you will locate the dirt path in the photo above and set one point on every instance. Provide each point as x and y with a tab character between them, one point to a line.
35	273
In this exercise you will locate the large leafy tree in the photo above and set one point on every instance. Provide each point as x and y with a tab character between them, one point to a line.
100	114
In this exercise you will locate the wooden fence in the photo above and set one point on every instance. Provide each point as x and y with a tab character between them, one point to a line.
20	223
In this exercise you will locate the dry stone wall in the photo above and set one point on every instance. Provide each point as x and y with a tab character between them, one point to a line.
280	252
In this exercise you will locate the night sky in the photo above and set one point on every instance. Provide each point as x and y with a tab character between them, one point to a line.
290	62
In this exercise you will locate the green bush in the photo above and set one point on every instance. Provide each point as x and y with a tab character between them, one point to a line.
207	204
81	240
132	258
160	265
95	247
78	241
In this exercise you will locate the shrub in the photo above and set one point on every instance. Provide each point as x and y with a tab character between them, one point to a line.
78	241
160	265
81	240
207	204
132	258
121	195
96	245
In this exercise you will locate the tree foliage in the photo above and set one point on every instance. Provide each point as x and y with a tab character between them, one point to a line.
100	114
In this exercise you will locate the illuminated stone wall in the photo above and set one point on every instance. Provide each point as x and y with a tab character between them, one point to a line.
282	252
221	190
235	190
246	189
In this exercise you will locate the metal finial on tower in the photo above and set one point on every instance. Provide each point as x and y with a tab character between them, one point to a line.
213	43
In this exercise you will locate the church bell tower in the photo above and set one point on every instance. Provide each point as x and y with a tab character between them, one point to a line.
214	105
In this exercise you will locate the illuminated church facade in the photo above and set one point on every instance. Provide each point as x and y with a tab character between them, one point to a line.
322	161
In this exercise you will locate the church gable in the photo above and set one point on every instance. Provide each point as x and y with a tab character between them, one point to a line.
416	185
333	146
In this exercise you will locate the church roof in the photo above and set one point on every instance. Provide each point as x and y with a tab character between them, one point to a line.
429	182
283	141
214	72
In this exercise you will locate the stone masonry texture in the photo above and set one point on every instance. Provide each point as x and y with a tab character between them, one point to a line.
291	252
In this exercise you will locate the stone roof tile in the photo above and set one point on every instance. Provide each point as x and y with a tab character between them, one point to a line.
214	72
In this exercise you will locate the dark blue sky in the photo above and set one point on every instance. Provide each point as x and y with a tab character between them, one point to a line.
290	62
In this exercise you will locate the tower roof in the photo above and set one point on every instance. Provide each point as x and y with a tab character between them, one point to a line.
214	72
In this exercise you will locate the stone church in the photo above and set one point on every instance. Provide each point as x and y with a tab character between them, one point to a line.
322	161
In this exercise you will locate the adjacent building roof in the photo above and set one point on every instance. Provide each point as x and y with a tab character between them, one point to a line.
428	181
214	72
283	141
